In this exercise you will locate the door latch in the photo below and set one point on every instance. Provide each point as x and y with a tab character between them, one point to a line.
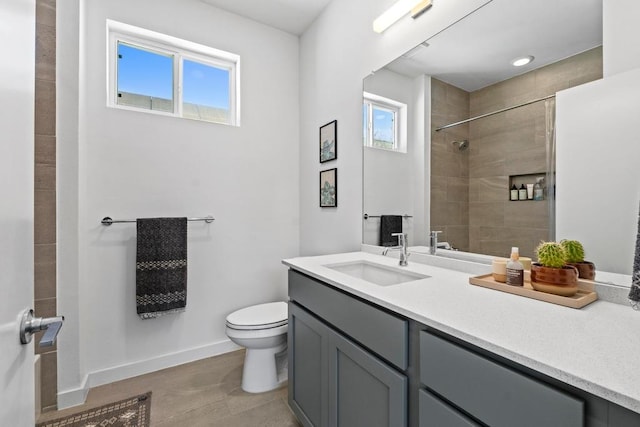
30	325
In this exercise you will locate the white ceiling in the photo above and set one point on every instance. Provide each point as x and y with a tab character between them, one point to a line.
292	16
474	52
477	51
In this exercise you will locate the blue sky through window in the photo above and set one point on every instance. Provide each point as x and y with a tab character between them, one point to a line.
205	85
383	128
150	73
144	73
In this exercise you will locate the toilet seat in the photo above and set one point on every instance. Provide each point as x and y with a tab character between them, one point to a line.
261	316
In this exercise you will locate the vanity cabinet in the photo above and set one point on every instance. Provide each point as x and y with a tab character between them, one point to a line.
490	392
353	363
335	377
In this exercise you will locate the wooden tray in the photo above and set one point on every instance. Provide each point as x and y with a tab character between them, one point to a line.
584	296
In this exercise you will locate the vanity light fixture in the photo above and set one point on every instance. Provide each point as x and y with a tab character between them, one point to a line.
398	10
524	60
421	8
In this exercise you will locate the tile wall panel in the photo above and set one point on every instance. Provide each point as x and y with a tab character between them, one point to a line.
45	303
449	166
510	143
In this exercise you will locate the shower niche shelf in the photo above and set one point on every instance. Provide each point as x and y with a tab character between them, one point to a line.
529	178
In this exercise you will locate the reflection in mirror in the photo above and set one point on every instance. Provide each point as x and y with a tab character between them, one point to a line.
459	178
394	174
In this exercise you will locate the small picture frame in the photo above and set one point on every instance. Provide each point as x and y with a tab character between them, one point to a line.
329	188
329	141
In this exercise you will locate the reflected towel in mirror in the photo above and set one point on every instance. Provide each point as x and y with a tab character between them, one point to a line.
634	293
390	224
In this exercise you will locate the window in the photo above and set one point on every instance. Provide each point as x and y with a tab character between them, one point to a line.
384	123
145	78
153	72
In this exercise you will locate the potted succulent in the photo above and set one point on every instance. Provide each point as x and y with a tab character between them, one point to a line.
575	257
550	273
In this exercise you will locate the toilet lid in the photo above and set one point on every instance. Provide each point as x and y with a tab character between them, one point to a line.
261	316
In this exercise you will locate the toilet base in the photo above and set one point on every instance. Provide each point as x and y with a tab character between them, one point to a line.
264	369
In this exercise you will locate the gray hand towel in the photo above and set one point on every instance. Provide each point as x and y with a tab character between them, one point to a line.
390	224
634	293
161	266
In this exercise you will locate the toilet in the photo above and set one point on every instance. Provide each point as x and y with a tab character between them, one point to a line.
262	330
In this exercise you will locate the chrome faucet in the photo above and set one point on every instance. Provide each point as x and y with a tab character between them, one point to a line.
433	242
402	247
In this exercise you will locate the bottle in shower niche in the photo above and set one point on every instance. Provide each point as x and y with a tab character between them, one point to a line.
513	193
538	190
522	193
515	270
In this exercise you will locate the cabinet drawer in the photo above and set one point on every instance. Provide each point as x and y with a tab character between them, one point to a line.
491	392
381	332
436	413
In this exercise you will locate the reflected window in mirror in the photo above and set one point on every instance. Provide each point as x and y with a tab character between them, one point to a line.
382	119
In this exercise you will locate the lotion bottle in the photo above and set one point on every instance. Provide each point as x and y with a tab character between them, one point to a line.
515	270
513	194
530	191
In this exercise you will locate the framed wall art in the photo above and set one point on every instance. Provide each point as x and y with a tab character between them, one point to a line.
329	141
329	188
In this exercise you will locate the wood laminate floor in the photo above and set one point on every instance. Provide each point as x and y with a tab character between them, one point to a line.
202	393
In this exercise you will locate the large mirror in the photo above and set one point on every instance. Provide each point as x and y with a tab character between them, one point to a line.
422	164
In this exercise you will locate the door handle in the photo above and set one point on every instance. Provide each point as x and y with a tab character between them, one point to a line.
30	325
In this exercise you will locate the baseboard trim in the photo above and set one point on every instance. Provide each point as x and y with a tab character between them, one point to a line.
75	396
37	367
78	396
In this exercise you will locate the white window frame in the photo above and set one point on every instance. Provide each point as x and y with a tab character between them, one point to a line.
181	50
399	110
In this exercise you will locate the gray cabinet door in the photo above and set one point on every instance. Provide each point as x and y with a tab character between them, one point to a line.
621	417
363	391
436	413
308	385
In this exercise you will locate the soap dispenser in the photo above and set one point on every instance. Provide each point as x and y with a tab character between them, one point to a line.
538	190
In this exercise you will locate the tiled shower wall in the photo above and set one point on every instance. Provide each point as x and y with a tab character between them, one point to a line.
500	146
514	143
45	191
449	165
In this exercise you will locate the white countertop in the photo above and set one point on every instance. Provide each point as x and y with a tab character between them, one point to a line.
594	348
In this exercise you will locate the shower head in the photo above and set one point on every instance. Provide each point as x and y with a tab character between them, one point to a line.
462	145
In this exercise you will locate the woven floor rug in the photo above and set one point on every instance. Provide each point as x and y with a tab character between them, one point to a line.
132	412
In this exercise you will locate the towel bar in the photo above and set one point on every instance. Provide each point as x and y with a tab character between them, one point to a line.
367	216
107	221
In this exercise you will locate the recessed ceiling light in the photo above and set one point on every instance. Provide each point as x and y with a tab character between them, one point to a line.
519	62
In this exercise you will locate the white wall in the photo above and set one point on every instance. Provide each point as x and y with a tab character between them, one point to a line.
389	175
597	132
621	35
336	53
422	163
70	364
132	164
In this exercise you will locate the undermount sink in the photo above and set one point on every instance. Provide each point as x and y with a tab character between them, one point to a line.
378	274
